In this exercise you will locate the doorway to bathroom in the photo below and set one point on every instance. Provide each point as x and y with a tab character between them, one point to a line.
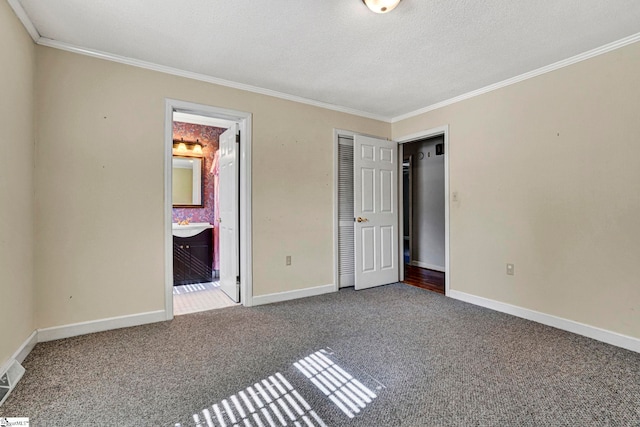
205	171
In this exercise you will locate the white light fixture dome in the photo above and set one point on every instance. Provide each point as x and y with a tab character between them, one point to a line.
381	6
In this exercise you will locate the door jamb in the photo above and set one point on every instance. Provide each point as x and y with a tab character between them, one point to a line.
444	131
244	121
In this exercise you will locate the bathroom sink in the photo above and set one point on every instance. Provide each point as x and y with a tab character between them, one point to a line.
189	230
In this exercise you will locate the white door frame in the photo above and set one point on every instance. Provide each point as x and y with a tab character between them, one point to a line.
244	121
444	131
441	130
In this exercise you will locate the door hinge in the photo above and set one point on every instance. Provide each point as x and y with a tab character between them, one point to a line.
238	280
238	138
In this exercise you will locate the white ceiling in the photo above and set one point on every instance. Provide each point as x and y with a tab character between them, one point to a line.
337	51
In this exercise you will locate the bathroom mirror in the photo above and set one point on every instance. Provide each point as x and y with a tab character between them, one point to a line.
187	185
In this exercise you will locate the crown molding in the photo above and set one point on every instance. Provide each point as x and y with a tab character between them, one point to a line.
531	74
24	18
43	41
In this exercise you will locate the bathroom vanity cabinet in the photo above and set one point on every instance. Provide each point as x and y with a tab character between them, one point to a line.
193	258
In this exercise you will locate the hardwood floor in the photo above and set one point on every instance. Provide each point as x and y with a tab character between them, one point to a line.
424	278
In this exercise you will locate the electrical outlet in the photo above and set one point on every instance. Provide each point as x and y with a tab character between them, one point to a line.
510	269
288	261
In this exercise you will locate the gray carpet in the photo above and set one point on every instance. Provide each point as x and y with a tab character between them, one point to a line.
430	360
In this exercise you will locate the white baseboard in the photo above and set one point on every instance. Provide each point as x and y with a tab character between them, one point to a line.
23	351
75	329
429	266
289	295
13	367
609	337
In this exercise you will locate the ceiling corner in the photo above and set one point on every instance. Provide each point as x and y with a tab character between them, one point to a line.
24	18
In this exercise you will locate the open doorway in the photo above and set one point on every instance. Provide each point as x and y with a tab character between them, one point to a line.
196	213
207	184
424	217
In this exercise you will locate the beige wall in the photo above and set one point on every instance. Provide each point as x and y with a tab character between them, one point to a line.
17	65
548	178
99	210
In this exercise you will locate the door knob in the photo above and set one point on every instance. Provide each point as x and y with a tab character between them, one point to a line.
360	219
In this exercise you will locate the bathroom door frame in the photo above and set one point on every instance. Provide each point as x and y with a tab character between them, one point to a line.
244	124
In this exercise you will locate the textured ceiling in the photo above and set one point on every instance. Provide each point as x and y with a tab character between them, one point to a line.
337	51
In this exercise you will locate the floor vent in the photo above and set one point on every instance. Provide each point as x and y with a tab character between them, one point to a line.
9	378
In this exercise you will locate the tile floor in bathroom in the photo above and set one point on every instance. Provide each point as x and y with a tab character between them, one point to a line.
199	297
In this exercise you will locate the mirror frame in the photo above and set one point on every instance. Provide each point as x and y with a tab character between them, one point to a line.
201	205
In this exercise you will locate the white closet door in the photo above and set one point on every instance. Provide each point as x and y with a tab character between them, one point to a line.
376	211
346	251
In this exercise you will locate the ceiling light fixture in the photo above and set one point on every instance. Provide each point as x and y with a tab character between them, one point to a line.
186	148
381	6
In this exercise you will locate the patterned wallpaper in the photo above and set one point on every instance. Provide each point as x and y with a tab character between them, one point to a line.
208	136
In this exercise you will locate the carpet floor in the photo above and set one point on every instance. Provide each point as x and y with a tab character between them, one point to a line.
390	356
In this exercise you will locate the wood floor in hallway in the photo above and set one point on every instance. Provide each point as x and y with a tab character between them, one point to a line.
424	278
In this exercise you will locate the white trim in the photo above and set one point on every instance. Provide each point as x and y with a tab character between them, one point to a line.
24	18
43	41
168	210
444	131
246	215
23	351
244	121
15	362
531	74
428	266
82	328
609	337
400	190
336	221
289	295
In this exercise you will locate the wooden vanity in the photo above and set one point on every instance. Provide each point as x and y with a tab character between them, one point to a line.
193	258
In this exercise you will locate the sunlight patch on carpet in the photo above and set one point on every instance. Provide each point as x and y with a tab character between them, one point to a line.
346	392
334	389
